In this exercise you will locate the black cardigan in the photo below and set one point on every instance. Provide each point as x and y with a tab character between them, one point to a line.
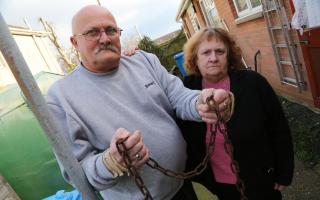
258	131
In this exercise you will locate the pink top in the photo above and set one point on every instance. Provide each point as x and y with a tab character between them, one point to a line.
220	161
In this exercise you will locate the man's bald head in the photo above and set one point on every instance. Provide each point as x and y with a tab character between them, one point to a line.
86	12
101	53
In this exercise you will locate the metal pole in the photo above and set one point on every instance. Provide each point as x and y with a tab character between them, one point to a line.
137	30
30	89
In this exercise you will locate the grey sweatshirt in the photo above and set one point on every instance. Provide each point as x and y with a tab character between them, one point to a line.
139	95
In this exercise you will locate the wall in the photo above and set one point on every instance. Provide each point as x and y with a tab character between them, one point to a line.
200	15
252	36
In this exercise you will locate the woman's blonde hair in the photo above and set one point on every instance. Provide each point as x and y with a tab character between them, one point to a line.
191	48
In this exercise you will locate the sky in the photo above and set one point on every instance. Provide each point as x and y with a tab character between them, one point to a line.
151	18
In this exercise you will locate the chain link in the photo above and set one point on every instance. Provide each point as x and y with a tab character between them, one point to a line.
121	147
120	144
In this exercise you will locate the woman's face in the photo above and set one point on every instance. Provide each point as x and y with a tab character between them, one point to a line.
212	60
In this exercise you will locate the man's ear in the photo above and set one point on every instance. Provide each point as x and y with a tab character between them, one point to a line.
74	42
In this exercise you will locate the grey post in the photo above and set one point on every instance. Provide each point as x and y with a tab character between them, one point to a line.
30	89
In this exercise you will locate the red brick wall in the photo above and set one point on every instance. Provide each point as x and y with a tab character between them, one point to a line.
199	13
233	8
252	36
187	22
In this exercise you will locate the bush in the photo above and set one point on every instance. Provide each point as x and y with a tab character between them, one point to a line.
305	127
166	51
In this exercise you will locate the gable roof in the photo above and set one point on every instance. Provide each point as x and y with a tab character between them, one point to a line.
167	37
18	30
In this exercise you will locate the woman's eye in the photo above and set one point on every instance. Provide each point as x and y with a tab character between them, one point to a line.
220	52
206	52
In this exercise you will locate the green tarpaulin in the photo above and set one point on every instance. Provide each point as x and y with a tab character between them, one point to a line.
26	158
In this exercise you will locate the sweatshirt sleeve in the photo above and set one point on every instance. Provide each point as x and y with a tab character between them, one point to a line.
90	159
182	99
280	133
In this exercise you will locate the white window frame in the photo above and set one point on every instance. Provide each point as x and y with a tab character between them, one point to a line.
249	13
193	17
207	6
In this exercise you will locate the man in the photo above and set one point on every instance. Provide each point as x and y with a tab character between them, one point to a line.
109	97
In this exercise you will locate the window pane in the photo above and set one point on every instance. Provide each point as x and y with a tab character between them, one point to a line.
209	3
213	12
213	18
241	5
193	18
255	3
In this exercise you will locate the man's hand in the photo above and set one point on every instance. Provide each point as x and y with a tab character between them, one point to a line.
224	100
279	187
138	152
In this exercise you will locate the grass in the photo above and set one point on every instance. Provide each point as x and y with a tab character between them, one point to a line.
203	193
305	128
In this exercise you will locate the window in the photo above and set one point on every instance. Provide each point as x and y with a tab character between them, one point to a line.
193	18
247	7
210	13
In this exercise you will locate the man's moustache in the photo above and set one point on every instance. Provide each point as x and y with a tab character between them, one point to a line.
107	47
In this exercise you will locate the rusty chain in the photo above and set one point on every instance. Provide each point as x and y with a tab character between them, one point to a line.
121	147
228	147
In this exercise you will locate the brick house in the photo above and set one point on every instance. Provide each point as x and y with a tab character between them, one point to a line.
254	30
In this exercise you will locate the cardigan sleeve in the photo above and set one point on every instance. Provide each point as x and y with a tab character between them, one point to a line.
279	132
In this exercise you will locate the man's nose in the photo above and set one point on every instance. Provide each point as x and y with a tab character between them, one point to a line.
104	37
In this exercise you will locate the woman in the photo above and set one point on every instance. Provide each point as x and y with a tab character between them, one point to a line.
258	129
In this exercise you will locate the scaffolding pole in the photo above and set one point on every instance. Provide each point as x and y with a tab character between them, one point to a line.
30	89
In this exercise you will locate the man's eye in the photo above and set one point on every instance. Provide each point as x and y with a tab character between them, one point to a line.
111	30
93	32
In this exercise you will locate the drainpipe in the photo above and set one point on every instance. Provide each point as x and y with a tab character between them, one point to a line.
255	60
30	89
